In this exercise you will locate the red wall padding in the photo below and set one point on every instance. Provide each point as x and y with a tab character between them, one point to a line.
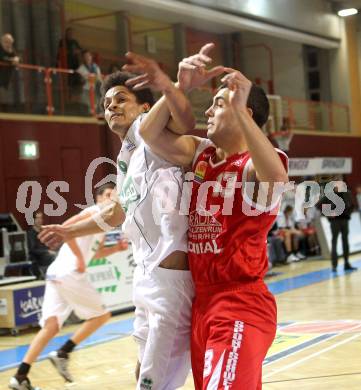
66	150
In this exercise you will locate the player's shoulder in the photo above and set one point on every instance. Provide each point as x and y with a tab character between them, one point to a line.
202	145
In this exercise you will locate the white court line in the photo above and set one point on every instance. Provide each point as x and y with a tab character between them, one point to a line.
317	353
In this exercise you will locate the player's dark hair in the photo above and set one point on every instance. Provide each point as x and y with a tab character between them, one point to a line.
119	78
258	103
100	190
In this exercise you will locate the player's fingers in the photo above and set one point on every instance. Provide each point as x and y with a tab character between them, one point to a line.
45	230
207	48
197	62
135	57
205	58
54	242
138	68
193	61
185	65
214	72
239	74
144	84
136	80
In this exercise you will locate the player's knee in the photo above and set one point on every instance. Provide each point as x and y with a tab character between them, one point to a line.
52	325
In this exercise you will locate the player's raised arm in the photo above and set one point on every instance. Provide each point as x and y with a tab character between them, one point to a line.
157	130
266	161
169	118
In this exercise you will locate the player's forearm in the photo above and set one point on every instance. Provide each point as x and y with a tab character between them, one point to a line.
109	217
266	161
180	109
155	122
172	112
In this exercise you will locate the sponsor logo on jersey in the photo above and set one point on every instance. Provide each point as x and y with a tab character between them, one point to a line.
128	194
203	227
200	171
129	144
122	166
204	247
230	372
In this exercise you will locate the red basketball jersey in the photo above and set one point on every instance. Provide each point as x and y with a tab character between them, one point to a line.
225	243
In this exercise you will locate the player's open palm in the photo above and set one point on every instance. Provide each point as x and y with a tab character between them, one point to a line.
239	87
151	75
192	72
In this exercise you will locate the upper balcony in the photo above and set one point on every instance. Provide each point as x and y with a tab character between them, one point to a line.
47	91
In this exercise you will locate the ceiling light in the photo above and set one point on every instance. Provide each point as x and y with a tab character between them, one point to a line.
347	12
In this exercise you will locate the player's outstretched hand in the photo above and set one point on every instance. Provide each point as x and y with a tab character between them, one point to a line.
151	75
53	236
239	87
192	72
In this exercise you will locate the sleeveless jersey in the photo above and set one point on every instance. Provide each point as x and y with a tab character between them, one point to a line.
149	189
65	261
225	245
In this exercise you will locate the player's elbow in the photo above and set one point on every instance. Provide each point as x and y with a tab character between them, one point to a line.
113	214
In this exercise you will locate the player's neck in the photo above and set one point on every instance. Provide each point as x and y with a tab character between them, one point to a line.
226	151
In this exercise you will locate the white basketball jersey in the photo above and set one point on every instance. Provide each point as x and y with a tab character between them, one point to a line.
65	261
150	189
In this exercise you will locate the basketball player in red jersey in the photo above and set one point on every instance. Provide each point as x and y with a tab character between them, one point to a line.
234	315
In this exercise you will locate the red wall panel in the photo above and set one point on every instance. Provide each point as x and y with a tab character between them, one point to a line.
66	150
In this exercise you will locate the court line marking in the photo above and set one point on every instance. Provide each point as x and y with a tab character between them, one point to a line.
333	346
297	348
306	378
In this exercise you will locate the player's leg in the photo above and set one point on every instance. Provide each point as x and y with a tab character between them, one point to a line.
54	312
198	346
87	304
140	326
165	362
345	244
140	334
235	362
335	230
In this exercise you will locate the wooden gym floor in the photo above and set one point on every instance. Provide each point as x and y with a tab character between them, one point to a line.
318	344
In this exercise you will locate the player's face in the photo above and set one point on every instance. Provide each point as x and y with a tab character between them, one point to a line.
220	117
38	220
121	109
107	193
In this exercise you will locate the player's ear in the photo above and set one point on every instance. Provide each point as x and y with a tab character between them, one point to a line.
250	111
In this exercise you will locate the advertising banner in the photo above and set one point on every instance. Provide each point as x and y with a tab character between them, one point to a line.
319	165
112	276
27	305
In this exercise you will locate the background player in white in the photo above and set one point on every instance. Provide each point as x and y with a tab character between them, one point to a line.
67	288
163	289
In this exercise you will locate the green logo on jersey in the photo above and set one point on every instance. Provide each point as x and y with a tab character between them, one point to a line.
123	166
128	194
146	384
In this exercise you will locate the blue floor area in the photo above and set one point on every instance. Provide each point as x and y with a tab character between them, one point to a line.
13	356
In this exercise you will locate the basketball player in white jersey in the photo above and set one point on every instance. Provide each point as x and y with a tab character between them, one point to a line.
67	288
163	289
